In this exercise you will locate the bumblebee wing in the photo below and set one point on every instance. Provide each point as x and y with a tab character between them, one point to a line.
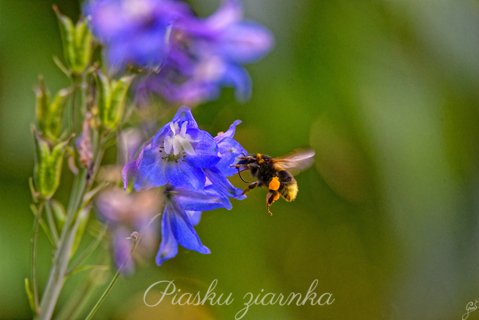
295	161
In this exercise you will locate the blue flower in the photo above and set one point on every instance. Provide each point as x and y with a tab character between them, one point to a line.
134	31
176	155
206	54
193	167
182	212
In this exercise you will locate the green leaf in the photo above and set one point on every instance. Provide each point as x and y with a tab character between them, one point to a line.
28	291
81	222
87	267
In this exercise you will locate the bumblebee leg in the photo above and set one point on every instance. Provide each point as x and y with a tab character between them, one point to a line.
271	197
251	186
241	177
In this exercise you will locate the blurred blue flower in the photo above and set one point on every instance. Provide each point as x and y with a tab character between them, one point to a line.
206	54
126	215
181	213
134	31
123	250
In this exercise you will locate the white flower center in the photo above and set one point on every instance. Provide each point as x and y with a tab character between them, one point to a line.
179	142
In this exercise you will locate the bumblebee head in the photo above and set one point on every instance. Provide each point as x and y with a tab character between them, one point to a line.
259	158
246	160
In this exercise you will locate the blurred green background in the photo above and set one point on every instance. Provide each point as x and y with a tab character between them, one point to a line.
385	91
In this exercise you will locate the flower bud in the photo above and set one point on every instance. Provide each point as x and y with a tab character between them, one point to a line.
77	43
49	112
48	166
111	100
84	143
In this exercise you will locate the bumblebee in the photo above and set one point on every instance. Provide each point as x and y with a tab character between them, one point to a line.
274	173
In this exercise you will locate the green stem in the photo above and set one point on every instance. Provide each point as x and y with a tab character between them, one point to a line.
62	255
103	296
51	223
36	226
71	110
47	232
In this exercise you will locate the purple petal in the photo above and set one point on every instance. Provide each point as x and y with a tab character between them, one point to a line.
169	245
122	249
245	42
201	200
229	133
238	78
151	169
206	149
230	12
128	172
194	216
184	114
177	229
183	174
222	185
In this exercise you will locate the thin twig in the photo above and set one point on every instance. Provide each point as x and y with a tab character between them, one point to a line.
103	296
36	224
51	223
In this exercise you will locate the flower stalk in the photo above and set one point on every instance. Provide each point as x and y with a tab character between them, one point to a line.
60	261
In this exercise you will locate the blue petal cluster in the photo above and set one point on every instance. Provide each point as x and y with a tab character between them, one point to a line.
183	208
194	167
192	57
134	32
207	54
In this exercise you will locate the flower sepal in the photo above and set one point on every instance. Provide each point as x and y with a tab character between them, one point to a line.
77	43
48	166
49	111
112	99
